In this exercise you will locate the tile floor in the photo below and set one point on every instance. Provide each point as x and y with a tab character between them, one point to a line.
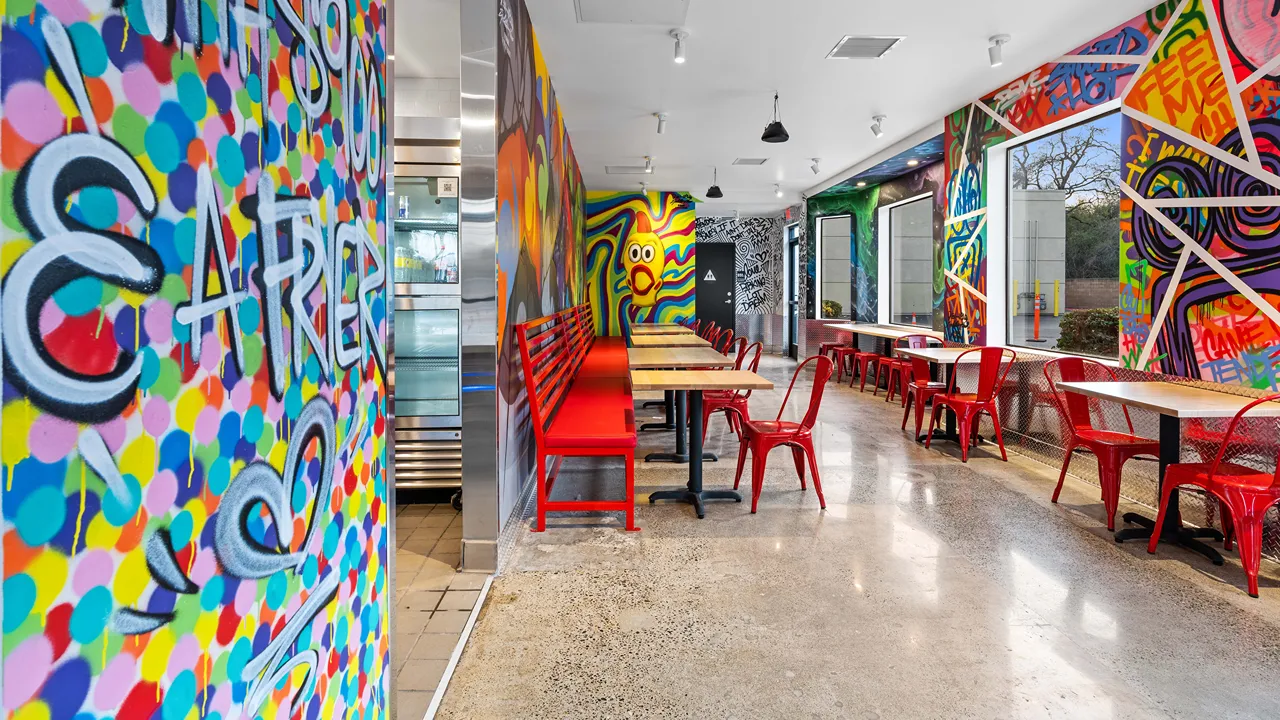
927	589
433	601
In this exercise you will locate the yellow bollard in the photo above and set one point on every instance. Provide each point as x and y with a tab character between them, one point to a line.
1056	295
1015	298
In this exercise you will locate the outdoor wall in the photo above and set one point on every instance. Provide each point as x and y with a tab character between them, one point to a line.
624	289
194	492
539	228
864	206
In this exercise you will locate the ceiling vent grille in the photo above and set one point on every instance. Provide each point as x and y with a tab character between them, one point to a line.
863	47
750	161
626	170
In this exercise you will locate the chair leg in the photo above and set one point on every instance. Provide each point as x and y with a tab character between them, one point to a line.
1248	533
758	459
999	432
1109	479
907	397
919	412
631	491
965	429
1165	493
881	368
1062	476
1228	526
866	368
797	454
817	482
933	423
743	448
540	523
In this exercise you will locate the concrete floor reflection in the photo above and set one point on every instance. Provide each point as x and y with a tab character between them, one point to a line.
927	589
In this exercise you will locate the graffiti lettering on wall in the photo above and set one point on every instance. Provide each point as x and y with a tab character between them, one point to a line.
194	317
612	220
757	259
539	222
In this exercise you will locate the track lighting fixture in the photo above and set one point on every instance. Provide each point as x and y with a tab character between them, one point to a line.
648	164
774	132
814	167
994	52
662	122
680	36
876	125
714	191
777	190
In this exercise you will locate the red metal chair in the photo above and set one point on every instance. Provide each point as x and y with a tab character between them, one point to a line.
1246	493
709	331
900	367
1111	448
968	406
919	391
862	361
834	348
714	401
761	436
693	324
723	341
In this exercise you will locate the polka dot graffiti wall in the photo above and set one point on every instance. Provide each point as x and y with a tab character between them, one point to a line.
193	321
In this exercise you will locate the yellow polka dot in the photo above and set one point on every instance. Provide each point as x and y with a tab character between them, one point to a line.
49	570
17	418
11	250
139	458
101	533
278	452
190	403
131	579
34	710
155	659
207	628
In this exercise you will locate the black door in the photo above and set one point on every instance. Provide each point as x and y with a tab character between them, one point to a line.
714	264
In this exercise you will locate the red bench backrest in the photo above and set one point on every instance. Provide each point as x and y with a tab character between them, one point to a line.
552	349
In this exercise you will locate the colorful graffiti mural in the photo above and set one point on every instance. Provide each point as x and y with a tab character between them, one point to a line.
864	205
194	320
615	224
539	221
1200	251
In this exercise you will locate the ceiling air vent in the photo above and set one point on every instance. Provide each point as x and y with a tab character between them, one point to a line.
750	161
626	170
863	47
667	13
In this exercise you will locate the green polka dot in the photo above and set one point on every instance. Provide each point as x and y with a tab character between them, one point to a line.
79	297
40	516
162	147
230	161
130	129
20	8
174	287
252	354
169	379
294	163
90	51
265	442
191	96
10	219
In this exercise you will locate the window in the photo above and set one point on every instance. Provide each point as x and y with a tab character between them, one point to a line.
911	263
835	278
1064	240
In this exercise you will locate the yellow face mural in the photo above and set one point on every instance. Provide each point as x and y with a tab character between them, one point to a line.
644	258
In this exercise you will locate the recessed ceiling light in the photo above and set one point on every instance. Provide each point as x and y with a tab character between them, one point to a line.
862	183
913	162
750	161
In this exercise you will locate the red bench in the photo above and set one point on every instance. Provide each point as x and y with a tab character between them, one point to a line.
579	389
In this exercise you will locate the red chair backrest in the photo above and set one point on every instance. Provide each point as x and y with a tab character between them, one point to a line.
821	374
1231	431
693	324
752	351
741	344
709	331
1076	409
991	375
723	341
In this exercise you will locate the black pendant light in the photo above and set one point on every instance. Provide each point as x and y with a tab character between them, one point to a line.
774	132
714	191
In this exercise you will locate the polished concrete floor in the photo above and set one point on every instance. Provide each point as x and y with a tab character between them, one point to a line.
926	589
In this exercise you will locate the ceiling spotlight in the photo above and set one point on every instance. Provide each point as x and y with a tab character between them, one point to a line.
737	214
994	53
876	128
814	167
714	191
862	183
777	190
912	162
662	122
644	188
680	36
774	132
648	164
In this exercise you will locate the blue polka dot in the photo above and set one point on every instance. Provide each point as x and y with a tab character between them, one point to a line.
80	296
180	697
162	147
277	588
180	529
41	515
118	513
99	207
89	617
90	50
19	598
230	161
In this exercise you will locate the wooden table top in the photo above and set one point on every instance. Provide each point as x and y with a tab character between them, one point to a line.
883	331
676	357
698	380
1180	401
656	341
660	330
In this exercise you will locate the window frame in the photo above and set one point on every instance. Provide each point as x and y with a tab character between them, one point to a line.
817	267
886	242
996	177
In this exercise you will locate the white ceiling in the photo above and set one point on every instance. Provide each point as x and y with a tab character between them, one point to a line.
428	43
611	78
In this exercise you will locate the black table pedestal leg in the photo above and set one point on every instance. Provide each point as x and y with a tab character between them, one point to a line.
1174	531
668	402
693	492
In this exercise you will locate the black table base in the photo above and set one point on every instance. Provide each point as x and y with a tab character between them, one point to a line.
693	492
668	402
1173	532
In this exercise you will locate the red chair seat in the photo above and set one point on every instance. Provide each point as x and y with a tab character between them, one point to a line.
1108	437
586	426
1228	475
773	427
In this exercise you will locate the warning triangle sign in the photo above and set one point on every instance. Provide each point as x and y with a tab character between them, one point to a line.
710	276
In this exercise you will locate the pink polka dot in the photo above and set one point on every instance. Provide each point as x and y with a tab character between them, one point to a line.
210	353
33	113
308	165
213	132
207	425
275	409
115	682
279	107
241	396
126	210
52	438
246	597
26	669
113	432
184	655
68	12
158	320
141	89
51	316
93	568
161	492
155	416
221	703
204	567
